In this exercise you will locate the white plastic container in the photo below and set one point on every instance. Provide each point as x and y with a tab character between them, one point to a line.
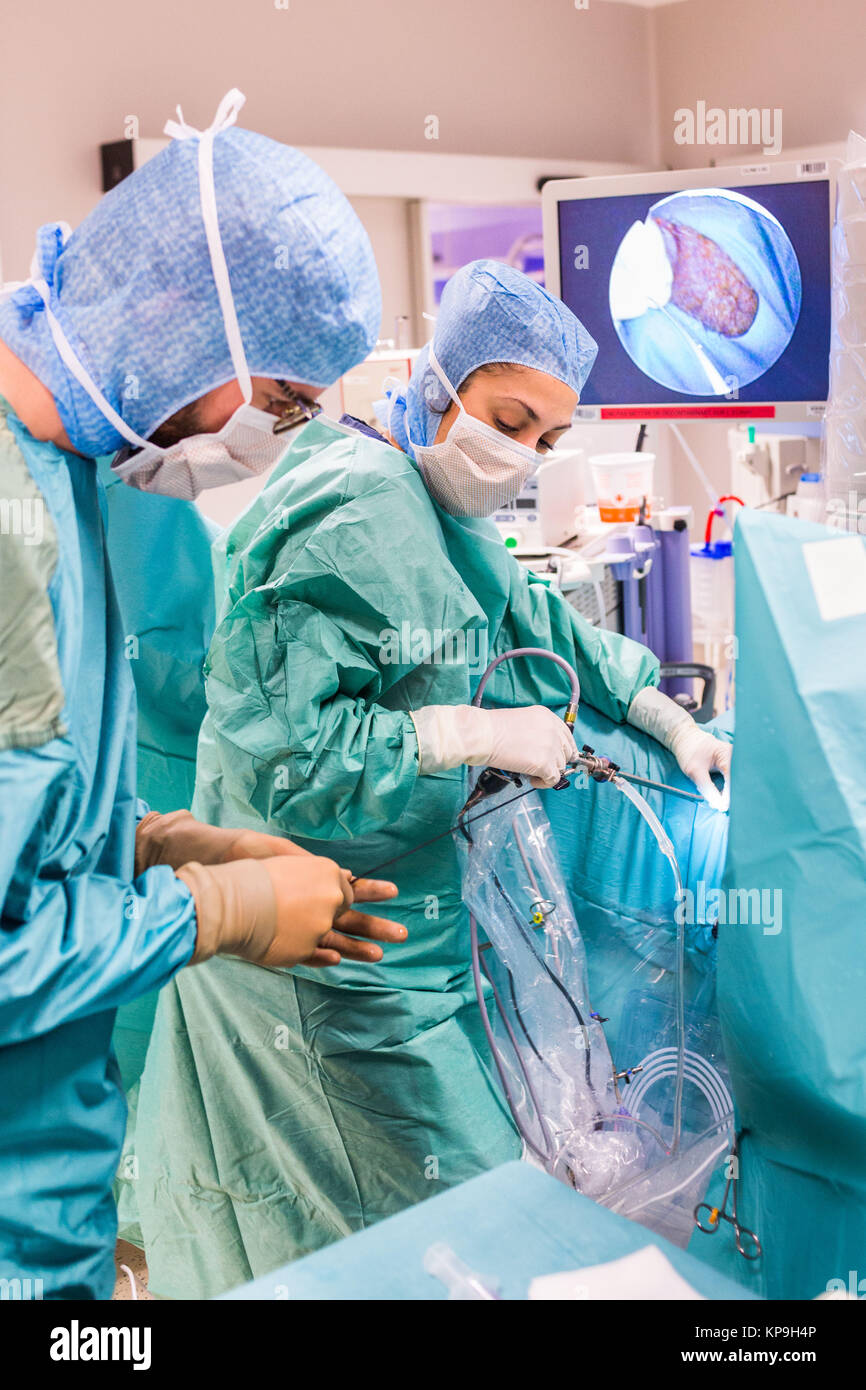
622	482
808	502
712	583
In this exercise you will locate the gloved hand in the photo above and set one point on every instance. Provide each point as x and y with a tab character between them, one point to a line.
283	911
178	838
532	740
182	842
697	751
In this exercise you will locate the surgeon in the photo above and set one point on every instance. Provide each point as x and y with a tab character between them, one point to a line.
365	594
200	306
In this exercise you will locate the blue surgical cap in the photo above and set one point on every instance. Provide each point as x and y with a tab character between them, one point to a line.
133	289
489	313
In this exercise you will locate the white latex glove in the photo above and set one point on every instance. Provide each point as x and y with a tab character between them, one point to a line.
697	752
531	740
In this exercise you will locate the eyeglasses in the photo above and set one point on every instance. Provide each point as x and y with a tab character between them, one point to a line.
291	408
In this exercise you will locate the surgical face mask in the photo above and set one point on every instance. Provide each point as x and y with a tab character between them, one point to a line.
247	445
476	470
243	448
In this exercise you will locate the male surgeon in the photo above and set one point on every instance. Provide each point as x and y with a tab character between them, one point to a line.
207	299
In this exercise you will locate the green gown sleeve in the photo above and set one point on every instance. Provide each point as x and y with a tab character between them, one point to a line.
300	696
611	668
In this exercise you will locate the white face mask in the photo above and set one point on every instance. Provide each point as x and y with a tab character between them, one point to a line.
243	448
476	470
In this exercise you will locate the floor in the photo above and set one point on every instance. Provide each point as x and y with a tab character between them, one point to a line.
133	1258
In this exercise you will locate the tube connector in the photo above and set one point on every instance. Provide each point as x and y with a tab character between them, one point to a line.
598	768
627	1075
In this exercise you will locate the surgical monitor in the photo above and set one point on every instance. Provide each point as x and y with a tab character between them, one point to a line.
707	290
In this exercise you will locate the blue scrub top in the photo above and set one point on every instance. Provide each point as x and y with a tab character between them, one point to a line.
78	935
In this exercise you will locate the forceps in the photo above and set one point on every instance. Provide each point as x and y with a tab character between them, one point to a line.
717	1214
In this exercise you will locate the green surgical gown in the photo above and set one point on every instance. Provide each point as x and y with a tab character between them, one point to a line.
281	1110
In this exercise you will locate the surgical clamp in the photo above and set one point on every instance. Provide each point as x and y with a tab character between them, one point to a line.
717	1214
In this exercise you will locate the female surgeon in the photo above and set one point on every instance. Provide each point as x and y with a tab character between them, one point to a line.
365	594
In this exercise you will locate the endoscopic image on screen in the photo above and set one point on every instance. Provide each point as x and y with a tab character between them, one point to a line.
712	295
706	292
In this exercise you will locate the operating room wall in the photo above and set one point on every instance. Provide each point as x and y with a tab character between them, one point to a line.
806	60
507	77
387	223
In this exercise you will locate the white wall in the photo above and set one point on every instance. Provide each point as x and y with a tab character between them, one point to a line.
387	223
503	77
805	59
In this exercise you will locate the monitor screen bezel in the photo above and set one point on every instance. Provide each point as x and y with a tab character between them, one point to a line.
725	176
